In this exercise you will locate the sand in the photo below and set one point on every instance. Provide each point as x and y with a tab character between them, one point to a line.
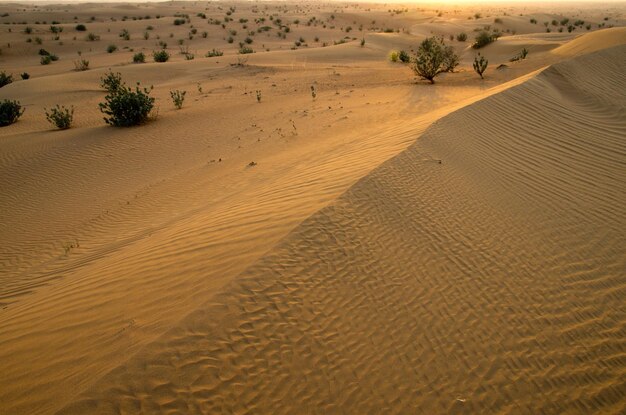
385	246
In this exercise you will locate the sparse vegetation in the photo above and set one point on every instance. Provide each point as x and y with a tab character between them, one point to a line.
483	39
81	65
432	58
111	82
480	65
25	75
60	116
213	53
5	79
10	111
81	28
244	50
461	37
111	48
258	96
178	97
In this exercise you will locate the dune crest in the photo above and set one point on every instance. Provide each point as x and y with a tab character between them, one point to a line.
438	283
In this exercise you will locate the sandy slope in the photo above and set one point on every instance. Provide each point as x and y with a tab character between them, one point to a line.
431	287
110	237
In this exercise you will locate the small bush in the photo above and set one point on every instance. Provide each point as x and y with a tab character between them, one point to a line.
139	57
178	97
125	34
179	22
483	39
45	60
60	116
81	28
480	65
461	37
43	52
213	53
404	57
160	56
434	57
81	65
393	56
91	37
125	107
10	111
111	82
111	48
25	75
5	79
28	30
244	50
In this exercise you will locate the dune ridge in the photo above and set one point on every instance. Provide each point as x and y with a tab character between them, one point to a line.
442	273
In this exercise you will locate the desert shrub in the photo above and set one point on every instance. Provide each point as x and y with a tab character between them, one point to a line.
10	111
81	28
244	50
248	40
126	107
160	56
111	48
564	21
60	116
43	52
189	56
111	82
519	56
28	30
25	75
178	97
213	53
45	60
404	56
461	37
434	57
393	56
91	37
179	22
81	65
5	79
139	57
533	21
497	20
483	39
480	65
125	34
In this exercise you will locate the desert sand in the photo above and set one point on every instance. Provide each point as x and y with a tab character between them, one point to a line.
317	230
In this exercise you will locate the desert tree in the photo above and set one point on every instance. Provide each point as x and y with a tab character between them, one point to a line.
432	58
480	65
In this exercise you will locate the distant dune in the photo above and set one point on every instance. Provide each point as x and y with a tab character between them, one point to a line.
439	283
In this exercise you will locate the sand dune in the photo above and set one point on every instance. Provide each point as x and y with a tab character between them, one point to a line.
251	256
437	284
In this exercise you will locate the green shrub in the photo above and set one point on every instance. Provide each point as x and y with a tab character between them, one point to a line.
178	97
139	57
81	28
125	34
125	107
179	22
25	75
461	37
111	82
404	57
480	65
244	50
10	111
393	56
483	39
111	48
43	52
5	79
434	57
91	37
160	56
60	116
45	60
213	53
28	30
